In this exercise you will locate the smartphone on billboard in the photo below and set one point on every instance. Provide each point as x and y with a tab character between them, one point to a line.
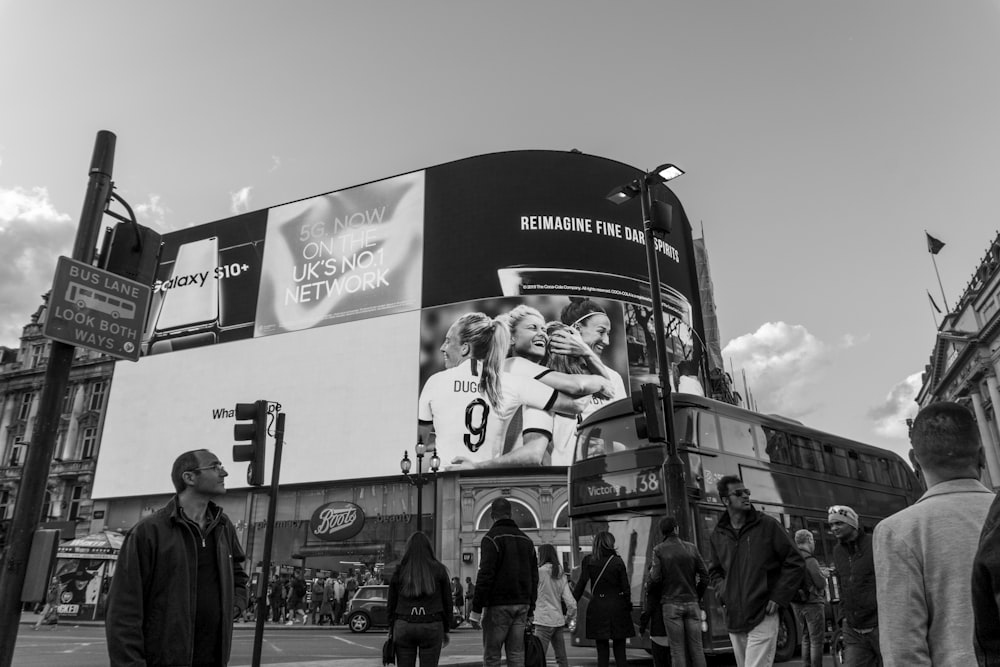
192	302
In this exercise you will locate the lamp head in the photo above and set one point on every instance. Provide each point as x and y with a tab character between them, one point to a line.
667	172
405	464
623	193
435	462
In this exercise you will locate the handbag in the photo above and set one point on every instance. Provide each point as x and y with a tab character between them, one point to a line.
389	651
534	653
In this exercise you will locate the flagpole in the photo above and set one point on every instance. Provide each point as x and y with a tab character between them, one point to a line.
931	306
940	284
933	247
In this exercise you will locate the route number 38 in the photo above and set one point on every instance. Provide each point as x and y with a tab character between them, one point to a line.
648	482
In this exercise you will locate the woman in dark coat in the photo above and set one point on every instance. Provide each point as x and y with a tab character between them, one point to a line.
609	614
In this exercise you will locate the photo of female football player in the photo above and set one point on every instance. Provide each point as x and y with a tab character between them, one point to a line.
470	404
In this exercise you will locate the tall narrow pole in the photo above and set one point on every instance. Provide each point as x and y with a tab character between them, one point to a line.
673	468
272	504
420	493
940	284
31	493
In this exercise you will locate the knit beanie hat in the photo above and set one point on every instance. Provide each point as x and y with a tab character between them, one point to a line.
845	514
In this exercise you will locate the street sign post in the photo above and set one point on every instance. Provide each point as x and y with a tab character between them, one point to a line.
96	309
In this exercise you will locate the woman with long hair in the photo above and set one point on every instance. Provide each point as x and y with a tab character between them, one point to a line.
609	614
553	594
419	605
470	404
592	336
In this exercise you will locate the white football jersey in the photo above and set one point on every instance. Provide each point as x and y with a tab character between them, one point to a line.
466	424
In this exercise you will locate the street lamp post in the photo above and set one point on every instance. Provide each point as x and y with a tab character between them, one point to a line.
419	479
656	223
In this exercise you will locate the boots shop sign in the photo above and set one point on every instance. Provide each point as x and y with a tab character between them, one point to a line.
337	521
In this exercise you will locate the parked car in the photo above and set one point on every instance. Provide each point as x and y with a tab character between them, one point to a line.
368	608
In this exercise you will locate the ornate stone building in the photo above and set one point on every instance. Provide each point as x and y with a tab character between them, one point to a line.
965	363
67	502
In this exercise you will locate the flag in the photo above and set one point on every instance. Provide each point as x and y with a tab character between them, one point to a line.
932	301
933	245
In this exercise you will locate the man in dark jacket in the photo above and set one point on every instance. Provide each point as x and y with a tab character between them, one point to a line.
680	571
755	570
854	559
179	581
506	586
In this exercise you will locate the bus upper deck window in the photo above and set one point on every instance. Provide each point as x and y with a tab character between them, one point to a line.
736	436
708	431
777	447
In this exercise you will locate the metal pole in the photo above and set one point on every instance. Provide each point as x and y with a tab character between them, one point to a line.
673	467
31	493
258	633
420	493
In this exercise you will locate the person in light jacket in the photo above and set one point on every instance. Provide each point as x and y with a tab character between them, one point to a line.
553	595
924	553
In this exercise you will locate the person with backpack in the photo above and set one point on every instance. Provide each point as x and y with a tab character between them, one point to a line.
809	603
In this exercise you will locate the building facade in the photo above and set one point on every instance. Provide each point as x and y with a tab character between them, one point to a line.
965	363
67	503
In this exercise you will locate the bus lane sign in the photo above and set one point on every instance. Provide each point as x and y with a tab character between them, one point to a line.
96	309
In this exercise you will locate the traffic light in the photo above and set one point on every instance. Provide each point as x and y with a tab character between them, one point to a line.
651	424
256	432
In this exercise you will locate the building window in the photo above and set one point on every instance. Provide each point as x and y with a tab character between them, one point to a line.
6	505
75	501
519	512
47	506
88	442
15	449
67	406
97	392
24	407
562	517
37	352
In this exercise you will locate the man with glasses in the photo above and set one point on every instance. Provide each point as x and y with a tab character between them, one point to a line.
853	558
180	581
755	570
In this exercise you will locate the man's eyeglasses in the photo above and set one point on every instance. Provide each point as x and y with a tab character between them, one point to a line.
739	493
217	467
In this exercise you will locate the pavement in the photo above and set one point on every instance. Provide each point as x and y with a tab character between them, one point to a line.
28	618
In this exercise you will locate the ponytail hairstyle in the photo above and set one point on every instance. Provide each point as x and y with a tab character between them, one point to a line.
488	340
514	316
547	554
578	310
563	363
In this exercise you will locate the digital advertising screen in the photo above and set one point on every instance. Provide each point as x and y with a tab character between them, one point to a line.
485	306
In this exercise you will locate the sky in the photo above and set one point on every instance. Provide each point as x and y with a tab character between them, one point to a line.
820	141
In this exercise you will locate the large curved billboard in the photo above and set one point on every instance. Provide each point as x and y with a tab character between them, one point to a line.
362	312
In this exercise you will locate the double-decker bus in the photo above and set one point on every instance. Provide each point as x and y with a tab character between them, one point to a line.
794	472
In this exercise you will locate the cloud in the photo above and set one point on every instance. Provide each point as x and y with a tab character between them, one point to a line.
781	361
32	235
899	405
153	213
275	163
240	200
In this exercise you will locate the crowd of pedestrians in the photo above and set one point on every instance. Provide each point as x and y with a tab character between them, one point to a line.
923	588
